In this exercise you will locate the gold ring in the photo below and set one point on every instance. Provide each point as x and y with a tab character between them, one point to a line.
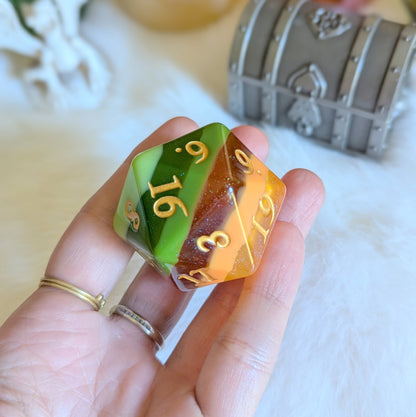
140	322
97	302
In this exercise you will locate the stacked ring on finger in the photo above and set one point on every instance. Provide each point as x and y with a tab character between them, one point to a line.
96	302
140	322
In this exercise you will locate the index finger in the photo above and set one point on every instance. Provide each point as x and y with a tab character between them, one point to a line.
90	255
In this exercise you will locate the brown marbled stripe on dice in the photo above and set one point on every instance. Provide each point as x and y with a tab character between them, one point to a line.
214	207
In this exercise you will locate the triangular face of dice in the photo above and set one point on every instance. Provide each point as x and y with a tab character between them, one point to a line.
236	211
183	169
130	221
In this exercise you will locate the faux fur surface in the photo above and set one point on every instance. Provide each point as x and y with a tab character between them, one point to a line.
350	346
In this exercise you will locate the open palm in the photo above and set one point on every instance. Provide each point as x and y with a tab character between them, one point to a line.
58	357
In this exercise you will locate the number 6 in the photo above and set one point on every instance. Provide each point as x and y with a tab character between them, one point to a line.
172	202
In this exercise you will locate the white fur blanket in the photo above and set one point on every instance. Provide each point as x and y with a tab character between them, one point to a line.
350	347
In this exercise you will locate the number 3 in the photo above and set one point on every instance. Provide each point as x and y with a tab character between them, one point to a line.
220	239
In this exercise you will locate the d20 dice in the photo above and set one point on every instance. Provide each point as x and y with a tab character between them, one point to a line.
200	208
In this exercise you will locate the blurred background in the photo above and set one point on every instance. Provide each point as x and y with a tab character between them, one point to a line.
350	347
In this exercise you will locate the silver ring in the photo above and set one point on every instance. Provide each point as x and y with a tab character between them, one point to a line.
140	322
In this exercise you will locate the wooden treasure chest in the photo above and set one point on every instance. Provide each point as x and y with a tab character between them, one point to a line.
332	75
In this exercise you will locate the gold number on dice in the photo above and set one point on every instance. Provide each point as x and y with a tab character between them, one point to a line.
266	208
245	161
218	238
206	278
196	148
170	201
132	215
176	183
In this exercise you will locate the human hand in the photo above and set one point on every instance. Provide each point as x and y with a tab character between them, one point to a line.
59	357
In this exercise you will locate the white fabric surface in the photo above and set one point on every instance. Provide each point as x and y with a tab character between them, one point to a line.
350	346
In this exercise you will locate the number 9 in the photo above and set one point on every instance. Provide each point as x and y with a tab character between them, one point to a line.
245	161
201	150
267	207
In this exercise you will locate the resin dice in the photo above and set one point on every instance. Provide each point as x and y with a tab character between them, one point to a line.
200	208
